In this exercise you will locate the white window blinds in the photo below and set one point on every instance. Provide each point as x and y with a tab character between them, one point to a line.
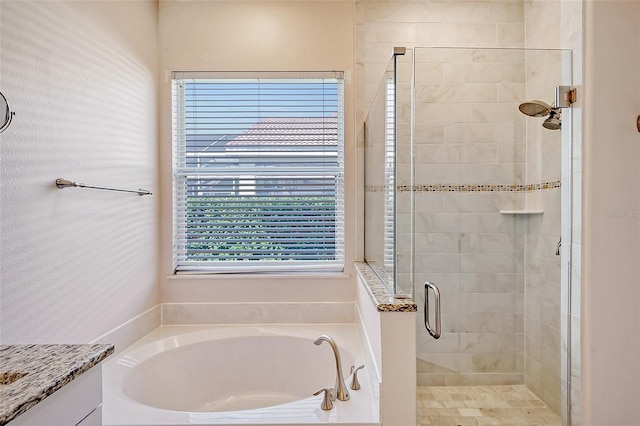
258	172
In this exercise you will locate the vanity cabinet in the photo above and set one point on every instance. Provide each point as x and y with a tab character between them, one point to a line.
76	403
52	384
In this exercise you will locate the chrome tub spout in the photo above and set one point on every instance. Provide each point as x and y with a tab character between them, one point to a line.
341	390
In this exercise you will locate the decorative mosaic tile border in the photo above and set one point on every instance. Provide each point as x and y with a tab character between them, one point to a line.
471	188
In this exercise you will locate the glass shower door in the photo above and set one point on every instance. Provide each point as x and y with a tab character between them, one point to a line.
487	216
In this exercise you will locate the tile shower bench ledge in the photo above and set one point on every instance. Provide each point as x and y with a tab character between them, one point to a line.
31	373
384	300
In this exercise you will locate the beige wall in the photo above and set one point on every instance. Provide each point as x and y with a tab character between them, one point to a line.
257	36
611	214
82	79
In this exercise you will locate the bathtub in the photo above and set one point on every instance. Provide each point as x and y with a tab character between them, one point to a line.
236	375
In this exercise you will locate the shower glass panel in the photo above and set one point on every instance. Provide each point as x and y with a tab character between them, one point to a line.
487	216
388	144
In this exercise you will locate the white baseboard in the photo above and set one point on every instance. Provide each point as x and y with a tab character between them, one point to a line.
133	330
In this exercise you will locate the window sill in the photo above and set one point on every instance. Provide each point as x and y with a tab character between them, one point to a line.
258	276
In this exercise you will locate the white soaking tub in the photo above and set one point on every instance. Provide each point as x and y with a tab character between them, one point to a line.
235	375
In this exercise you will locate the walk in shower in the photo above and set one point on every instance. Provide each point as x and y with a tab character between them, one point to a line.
463	167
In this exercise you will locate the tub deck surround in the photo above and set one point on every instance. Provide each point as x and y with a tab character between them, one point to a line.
257	313
189	391
48	368
384	300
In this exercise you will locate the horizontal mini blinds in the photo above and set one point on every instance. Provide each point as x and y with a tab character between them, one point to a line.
258	172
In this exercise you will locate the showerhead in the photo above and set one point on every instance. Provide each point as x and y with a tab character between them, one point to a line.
535	108
554	122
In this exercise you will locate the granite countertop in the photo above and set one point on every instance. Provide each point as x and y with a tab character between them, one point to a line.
30	373
384	299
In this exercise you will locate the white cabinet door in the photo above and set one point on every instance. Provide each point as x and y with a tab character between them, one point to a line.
93	419
67	406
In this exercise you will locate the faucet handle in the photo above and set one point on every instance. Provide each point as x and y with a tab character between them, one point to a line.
329	397
355	384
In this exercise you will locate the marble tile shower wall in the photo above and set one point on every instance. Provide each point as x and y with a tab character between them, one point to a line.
381	25
469	133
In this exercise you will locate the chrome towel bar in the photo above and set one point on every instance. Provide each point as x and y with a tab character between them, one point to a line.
64	183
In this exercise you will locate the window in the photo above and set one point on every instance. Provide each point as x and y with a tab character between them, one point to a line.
390	218
258	172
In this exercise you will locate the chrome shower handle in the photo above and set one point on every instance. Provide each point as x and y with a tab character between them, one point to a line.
435	333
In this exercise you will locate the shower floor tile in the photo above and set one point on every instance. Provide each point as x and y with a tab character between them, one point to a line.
482	405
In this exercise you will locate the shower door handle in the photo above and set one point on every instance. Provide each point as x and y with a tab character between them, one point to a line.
435	333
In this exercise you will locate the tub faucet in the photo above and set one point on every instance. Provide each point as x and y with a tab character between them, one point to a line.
341	390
